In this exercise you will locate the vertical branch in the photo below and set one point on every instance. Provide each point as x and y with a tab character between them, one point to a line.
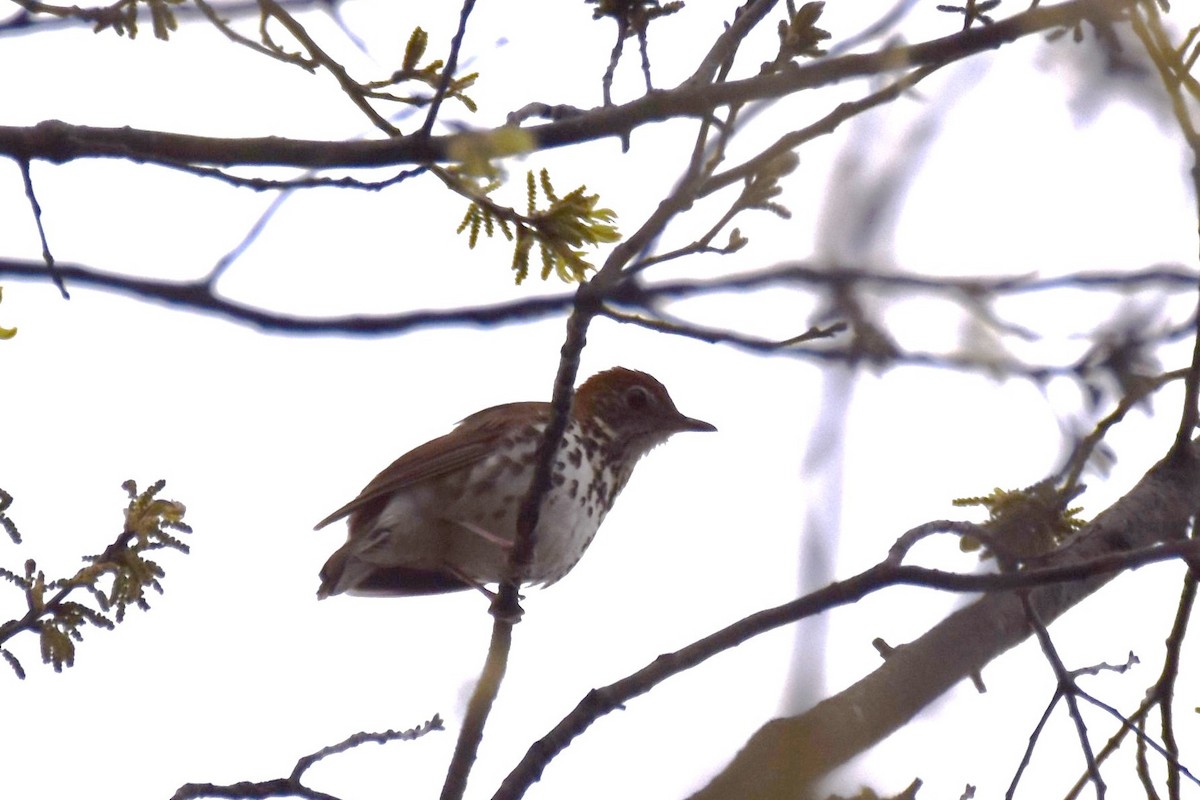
1142	763
644	49
506	608
611	71
587	304
451	66
471	734
1164	690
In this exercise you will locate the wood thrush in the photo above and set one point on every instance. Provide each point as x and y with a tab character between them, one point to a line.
443	517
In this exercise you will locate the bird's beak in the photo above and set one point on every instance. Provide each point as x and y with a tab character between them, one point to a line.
698	425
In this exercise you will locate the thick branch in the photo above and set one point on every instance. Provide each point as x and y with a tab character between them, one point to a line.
788	754
59	141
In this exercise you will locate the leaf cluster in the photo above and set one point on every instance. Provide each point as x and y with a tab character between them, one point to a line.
1027	522
799	36
7	524
430	74
115	579
560	230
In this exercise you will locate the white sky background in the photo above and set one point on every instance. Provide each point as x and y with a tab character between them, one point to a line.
237	670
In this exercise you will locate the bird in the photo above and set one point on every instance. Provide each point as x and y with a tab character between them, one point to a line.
443	517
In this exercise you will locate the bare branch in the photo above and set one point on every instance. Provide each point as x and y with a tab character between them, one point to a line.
36	207
1065	689
353	89
199	296
715	336
1032	745
293	786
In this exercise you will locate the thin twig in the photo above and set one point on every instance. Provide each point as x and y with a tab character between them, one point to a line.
36	207
1159	695
448	72
352	88
218	22
1067	690
1142	762
1164	689
822	127
727	44
1031	745
611	70
1172	759
309	180
293	786
1082	452
717	336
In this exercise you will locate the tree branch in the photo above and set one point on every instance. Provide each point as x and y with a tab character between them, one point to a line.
59	142
293	785
201	296
1157	510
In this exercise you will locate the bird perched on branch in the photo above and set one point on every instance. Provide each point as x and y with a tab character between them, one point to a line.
443	516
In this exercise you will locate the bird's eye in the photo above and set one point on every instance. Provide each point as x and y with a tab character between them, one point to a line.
637	398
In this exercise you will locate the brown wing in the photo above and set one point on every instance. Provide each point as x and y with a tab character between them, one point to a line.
472	441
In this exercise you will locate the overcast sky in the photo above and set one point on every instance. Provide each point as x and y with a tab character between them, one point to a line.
238	670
